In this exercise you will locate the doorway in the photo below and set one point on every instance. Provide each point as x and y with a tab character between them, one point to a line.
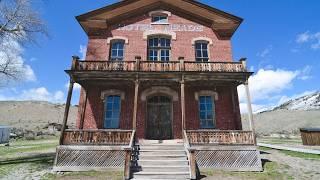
159	118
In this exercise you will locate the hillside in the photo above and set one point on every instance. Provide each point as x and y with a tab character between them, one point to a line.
32	114
289	116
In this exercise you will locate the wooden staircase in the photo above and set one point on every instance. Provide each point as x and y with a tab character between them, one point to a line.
160	160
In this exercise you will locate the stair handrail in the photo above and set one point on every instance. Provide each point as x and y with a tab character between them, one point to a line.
128	154
191	156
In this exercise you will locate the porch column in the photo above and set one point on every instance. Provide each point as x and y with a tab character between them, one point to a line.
135	106
183	107
250	114
66	112
83	108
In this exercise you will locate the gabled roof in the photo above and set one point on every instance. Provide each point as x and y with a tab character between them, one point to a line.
224	24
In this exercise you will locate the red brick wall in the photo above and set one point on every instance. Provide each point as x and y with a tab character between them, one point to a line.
227	106
227	111
98	49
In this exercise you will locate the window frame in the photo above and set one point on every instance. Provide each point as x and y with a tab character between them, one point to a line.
117	58
162	19
106	111
159	49
213	111
202	58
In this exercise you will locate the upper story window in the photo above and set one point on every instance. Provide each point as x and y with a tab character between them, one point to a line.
117	50
206	112
160	19
201	50
112	112
159	48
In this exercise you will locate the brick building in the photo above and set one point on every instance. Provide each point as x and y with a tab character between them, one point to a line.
158	70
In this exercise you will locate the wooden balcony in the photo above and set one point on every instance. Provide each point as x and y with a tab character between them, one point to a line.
151	66
220	137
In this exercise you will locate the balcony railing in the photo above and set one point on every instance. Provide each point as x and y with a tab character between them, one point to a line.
223	137
97	137
151	66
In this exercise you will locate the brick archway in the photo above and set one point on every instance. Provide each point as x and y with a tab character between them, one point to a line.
160	90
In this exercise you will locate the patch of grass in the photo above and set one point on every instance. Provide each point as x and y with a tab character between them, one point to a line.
112	175
18	147
271	171
280	141
301	155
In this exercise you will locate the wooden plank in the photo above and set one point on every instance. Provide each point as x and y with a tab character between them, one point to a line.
93	148
85	169
225	148
301	150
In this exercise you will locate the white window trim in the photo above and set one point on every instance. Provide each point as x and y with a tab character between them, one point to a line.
194	40
112	92
157	12
206	93
114	38
171	34
159	90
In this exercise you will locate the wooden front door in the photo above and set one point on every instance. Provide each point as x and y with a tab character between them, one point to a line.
159	118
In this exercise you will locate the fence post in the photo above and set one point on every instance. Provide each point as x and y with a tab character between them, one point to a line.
138	59
127	164
182	65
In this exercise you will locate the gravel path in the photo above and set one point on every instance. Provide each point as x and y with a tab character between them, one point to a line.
298	168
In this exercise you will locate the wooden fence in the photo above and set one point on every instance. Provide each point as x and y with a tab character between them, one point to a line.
310	136
224	137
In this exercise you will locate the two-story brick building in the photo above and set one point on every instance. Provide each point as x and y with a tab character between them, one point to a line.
158	70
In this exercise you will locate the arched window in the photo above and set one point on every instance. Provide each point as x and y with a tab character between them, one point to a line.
201	51
207	112
117	50
112	111
159	48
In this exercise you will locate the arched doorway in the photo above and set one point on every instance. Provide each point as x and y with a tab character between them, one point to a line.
159	118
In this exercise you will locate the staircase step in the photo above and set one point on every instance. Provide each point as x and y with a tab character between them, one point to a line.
162	162
160	153
161	175
157	147
163	157
161	169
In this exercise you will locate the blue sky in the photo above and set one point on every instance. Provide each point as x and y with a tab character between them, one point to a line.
281	40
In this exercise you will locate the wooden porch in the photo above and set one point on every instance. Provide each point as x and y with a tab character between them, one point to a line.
101	150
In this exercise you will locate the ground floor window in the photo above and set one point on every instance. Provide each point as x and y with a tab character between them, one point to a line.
206	112
112	112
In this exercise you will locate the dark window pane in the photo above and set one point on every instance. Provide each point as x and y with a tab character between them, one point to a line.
202	115
205	54
204	46
199	54
163	42
198	46
202	107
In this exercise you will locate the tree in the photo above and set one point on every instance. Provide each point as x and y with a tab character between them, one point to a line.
20	24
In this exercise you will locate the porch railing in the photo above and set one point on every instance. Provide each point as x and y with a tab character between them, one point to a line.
97	137
151	66
223	137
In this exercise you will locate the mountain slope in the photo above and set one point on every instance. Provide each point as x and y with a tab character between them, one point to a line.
305	103
289	117
33	115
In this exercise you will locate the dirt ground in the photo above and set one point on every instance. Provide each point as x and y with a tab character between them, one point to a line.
277	165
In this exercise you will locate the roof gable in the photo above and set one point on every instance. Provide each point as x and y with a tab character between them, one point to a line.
222	23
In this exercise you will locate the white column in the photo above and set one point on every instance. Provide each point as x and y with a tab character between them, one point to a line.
250	113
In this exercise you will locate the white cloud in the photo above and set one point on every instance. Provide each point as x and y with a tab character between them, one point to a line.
83	51
11	51
267	83
311	38
35	94
265	52
76	86
304	74
304	37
